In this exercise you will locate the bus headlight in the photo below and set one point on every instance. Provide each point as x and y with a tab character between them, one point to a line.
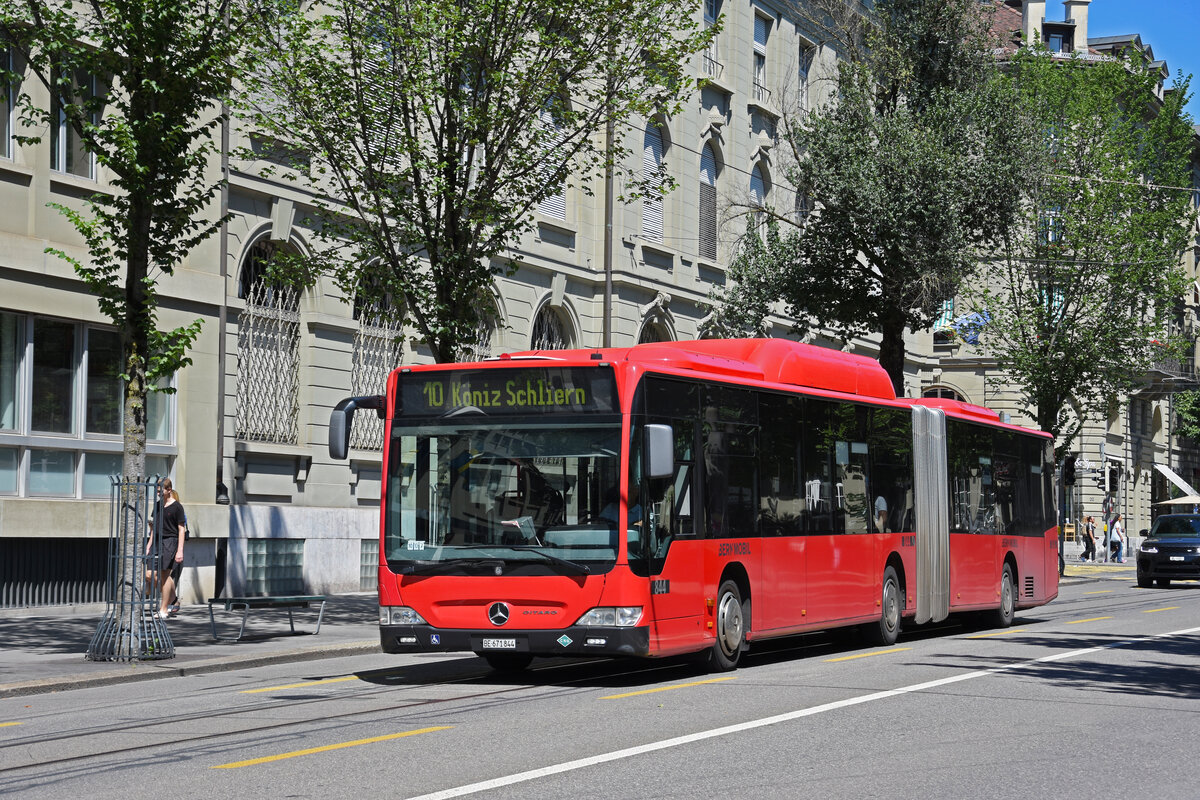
400	615
610	617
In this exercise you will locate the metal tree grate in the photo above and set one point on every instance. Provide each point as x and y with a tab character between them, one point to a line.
130	629
268	373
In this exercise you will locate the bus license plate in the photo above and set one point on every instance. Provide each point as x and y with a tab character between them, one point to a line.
499	644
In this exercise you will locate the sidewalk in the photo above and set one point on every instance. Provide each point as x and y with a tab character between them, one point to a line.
44	649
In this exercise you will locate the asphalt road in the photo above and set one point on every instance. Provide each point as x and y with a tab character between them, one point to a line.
1094	696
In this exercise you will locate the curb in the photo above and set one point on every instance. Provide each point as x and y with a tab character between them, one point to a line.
153	670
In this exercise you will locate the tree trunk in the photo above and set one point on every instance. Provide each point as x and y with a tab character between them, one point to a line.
891	349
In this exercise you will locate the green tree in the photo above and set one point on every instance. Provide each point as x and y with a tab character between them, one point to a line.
434	129
1082	296
139	83
912	171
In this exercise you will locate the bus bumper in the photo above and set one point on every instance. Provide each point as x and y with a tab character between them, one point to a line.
573	641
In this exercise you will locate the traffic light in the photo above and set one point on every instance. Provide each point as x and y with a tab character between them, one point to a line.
1068	470
1114	478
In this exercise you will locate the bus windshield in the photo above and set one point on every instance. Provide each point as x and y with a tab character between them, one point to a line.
488	499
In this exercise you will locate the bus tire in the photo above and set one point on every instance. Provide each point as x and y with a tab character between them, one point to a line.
1002	617
730	629
507	662
886	631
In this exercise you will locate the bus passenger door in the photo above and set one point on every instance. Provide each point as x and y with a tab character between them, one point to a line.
669	542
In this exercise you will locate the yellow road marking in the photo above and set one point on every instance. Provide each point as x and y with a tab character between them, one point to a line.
666	688
1167	608
10	724
251	762
1090	619
1101	591
300	685
998	633
868	655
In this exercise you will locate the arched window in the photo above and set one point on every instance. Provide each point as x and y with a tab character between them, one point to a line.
268	371
708	204
652	201
944	392
654	332
550	330
377	351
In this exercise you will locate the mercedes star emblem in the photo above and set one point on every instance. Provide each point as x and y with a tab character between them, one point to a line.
498	613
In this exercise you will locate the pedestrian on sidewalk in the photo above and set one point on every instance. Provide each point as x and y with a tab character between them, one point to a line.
171	522
1089	540
1117	538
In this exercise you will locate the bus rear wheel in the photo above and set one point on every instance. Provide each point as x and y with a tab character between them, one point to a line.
1002	617
730	629
507	662
886	631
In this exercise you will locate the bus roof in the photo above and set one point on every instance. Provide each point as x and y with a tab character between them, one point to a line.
770	360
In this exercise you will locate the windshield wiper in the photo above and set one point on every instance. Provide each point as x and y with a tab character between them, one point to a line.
427	567
575	566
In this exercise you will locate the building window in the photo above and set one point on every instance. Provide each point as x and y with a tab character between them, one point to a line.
61	380
376	353
808	56
268	371
652	178
275	566
6	106
554	204
758	201
712	60
368	571
762	30
67	153
708	204
654	332
943	333
550	330
944	392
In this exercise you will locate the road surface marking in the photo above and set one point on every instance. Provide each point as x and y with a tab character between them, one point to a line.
1100	591
998	633
1167	608
867	655
1089	619
265	759
304	685
667	688
603	758
10	724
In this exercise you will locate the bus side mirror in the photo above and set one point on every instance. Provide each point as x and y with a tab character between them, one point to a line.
660	451
341	420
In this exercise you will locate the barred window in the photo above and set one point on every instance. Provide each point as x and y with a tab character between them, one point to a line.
550	330
652	201
268	371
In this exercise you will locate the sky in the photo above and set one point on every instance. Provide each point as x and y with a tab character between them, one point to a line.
1170	27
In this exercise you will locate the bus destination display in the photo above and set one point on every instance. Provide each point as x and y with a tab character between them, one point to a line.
554	390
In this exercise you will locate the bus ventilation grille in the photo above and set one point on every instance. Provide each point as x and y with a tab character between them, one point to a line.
1029	586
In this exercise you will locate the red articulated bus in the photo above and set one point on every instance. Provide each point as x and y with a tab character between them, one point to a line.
693	497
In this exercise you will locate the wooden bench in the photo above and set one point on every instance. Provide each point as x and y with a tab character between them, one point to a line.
245	604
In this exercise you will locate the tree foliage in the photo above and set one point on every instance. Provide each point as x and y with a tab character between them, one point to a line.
162	68
1082	298
913	170
435	129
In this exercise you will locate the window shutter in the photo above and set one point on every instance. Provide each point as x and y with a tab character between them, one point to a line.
762	27
708	204
652	204
554	204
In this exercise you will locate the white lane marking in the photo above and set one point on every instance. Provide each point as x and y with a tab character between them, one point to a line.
651	747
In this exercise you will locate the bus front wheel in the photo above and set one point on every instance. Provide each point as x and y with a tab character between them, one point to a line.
730	629
1002	617
886	631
